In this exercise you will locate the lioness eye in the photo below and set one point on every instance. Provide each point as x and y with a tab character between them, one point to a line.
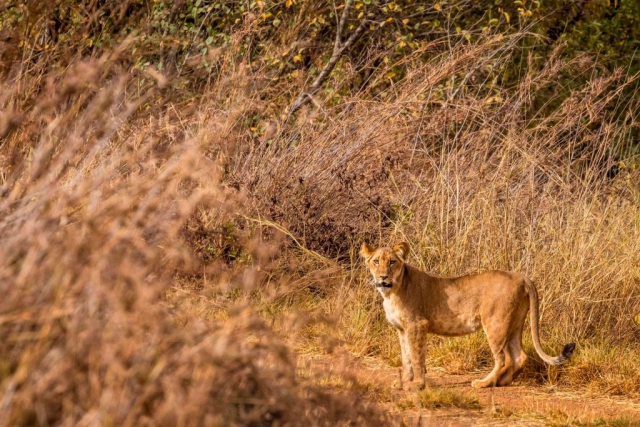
376	262
392	262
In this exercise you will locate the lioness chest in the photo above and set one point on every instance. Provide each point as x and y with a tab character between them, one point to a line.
393	314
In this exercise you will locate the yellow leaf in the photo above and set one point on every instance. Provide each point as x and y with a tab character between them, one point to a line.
497	99
437	6
392	6
359	6
288	3
405	21
389	19
507	17
297	58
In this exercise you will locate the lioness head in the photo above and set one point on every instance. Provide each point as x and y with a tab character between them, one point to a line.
385	264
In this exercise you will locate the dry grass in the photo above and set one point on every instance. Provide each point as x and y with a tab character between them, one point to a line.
558	418
162	258
112	313
437	397
471	185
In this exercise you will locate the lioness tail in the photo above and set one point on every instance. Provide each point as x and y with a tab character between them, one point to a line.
534	309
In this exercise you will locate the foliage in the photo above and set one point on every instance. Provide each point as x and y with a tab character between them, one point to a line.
169	237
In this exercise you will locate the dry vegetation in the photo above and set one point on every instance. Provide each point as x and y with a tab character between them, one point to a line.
167	251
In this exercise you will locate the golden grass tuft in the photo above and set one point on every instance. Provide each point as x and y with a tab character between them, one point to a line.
441	397
560	418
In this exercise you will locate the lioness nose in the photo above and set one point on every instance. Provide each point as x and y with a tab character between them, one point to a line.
383	277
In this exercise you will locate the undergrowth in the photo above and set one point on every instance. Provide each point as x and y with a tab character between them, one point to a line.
432	398
171	244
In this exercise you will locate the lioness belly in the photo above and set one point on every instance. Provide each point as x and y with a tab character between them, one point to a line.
454	326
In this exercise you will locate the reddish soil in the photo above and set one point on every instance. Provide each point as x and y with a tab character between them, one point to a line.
522	403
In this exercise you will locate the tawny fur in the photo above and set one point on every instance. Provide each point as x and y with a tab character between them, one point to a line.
416	304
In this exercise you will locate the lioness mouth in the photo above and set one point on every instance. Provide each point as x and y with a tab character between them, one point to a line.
383	285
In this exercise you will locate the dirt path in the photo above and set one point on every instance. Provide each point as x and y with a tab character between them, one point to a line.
519	404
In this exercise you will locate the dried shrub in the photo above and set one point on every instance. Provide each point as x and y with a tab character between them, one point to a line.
97	197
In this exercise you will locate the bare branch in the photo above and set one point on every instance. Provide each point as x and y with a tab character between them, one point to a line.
345	14
339	48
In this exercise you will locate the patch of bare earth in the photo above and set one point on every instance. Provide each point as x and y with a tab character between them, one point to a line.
523	403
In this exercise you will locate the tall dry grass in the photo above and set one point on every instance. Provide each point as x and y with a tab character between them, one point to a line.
105	189
142	277
474	179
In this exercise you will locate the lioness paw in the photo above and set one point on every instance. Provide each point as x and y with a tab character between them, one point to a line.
414	386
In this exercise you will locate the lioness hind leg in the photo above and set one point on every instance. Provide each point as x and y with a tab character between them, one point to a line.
498	343
516	359
514	347
499	368
507	373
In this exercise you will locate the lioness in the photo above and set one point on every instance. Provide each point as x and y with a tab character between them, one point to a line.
416	303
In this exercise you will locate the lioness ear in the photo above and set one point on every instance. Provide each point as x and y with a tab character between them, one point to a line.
366	251
401	250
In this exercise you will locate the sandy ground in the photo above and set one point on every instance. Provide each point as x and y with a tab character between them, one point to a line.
519	404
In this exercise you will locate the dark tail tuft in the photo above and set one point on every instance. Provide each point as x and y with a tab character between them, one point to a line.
568	349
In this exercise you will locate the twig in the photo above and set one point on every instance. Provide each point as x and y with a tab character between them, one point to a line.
339	48
286	232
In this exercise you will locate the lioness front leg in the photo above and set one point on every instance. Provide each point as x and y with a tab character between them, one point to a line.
416	336
407	368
